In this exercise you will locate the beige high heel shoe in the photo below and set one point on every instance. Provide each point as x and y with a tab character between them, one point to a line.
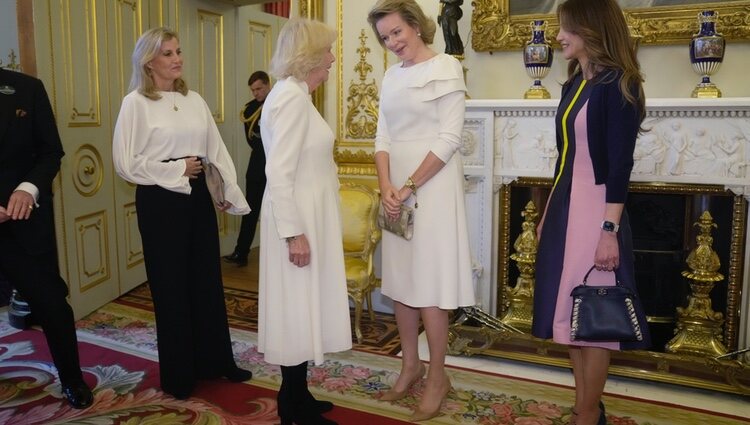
421	415
393	395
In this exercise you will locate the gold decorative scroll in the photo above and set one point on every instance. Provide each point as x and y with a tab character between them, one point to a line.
362	102
313	9
495	28
12	64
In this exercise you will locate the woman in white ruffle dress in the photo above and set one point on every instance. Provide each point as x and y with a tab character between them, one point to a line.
422	105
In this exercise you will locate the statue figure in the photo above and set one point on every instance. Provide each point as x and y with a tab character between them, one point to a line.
450	13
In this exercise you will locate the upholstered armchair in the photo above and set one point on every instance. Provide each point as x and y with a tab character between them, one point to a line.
359	210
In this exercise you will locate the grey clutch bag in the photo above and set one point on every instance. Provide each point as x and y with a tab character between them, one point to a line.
214	181
403	226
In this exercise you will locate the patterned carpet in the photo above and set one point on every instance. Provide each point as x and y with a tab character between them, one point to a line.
379	336
350	379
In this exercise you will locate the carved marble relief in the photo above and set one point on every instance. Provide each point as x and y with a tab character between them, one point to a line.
677	145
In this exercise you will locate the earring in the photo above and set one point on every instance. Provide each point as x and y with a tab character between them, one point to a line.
419	34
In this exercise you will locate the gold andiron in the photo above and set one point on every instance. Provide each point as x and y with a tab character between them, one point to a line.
521	298
699	327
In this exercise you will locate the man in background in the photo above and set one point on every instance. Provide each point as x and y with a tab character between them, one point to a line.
30	152
255	177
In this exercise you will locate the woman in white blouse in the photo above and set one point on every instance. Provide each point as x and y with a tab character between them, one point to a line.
422	104
303	307
162	133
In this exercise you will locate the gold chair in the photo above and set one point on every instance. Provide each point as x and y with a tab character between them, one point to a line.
359	210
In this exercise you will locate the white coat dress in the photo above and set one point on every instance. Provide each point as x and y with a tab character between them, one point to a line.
303	311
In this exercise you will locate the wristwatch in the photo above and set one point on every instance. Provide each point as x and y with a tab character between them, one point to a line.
608	226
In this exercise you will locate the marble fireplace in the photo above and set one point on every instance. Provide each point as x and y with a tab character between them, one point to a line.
693	158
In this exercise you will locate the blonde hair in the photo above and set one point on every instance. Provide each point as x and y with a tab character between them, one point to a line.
301	46
409	11
146	49
607	42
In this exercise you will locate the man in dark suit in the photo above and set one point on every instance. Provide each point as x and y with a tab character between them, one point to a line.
255	177
30	152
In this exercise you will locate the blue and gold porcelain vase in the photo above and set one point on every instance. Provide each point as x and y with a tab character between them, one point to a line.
707	53
537	57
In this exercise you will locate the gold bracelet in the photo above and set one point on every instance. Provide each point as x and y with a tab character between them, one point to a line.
411	185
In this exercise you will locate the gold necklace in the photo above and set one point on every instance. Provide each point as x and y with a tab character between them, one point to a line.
174	105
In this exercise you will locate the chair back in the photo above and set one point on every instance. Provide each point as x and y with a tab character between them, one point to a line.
359	211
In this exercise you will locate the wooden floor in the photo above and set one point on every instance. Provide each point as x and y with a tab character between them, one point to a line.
245	278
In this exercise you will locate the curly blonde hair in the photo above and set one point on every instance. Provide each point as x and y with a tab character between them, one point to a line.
301	46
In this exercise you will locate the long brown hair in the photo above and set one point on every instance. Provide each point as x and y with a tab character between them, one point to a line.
607	42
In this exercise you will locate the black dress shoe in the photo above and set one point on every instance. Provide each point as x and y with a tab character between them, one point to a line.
78	394
235	258
238	375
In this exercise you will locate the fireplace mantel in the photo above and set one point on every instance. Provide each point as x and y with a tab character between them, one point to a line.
687	142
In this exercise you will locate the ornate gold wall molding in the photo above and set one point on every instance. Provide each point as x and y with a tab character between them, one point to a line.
211	57
12	64
313	9
495	28
259	34
362	102
82	64
88	170
93	250
128	25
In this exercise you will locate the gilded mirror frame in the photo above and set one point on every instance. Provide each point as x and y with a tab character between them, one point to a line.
494	28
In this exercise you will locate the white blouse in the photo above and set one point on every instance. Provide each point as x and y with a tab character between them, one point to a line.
148	132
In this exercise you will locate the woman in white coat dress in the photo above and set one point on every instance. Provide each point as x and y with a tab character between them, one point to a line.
422	104
303	306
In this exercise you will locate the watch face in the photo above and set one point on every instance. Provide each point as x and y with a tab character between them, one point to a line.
608	226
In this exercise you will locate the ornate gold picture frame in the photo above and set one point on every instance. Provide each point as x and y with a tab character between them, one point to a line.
495	28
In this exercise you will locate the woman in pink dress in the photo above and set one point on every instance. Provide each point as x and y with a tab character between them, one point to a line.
585	224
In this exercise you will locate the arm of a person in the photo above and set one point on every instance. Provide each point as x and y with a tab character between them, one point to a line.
217	153
388	193
129	139
48	151
622	122
607	254
451	108
288	123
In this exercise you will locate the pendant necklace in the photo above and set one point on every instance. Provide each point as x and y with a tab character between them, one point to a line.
174	105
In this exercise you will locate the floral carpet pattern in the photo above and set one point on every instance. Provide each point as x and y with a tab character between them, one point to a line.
380	336
350	379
